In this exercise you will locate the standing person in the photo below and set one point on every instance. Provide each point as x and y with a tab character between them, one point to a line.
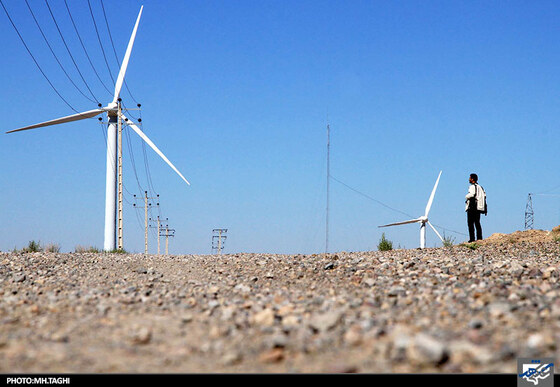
476	200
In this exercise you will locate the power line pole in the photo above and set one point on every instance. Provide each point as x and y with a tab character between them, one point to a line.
146	206
217	244
169	232
120	244
158	222
529	214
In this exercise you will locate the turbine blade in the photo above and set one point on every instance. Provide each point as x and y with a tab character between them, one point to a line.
155	148
433	228
120	78
405	222
429	205
62	120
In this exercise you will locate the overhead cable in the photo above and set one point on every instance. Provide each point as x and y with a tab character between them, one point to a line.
84	47
114	50
69	52
54	54
386	206
35	60
99	40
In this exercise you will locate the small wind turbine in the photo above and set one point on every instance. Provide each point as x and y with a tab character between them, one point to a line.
423	219
115	118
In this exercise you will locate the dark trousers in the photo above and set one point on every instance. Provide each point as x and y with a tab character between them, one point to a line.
473	221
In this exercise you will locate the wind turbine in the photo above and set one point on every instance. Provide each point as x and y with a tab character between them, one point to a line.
423	219
114	130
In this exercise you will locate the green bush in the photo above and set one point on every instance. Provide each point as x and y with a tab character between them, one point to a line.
448	241
472	245
33	247
384	244
118	251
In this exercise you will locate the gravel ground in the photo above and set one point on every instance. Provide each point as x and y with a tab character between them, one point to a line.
442	310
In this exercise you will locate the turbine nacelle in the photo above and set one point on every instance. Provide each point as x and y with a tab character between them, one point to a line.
113	106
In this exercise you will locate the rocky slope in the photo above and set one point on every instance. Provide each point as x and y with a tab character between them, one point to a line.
468	308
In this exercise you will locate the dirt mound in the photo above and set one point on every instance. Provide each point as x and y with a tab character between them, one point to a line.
525	236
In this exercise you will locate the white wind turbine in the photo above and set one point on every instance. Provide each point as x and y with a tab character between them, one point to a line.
115	118
423	219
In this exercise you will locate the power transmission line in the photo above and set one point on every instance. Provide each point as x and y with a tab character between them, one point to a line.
388	207
54	54
100	43
35	60
69	52
114	50
369	197
84	47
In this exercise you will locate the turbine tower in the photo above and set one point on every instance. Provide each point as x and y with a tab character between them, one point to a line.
115	118
423	219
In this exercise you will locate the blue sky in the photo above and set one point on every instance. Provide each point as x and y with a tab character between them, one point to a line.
238	95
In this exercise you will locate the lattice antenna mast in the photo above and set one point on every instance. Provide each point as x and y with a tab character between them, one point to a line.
328	187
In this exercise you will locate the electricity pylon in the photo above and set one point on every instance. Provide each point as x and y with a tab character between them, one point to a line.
529	214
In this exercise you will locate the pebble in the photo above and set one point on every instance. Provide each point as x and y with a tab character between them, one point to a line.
325	321
19	277
450	309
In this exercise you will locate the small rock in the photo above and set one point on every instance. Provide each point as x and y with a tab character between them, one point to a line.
141	336
20	277
396	291
231	358
213	290
475	324
290	321
326	321
186	318
103	309
274	355
535	340
369	281
353	336
426	349
329	266
264	318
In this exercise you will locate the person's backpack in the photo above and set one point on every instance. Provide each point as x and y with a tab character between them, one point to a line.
483	206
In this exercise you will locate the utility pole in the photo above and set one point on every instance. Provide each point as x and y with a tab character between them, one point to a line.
217	244
529	213
120	244
169	232
146	206
158	222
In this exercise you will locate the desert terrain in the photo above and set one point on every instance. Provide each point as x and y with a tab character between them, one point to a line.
469	308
